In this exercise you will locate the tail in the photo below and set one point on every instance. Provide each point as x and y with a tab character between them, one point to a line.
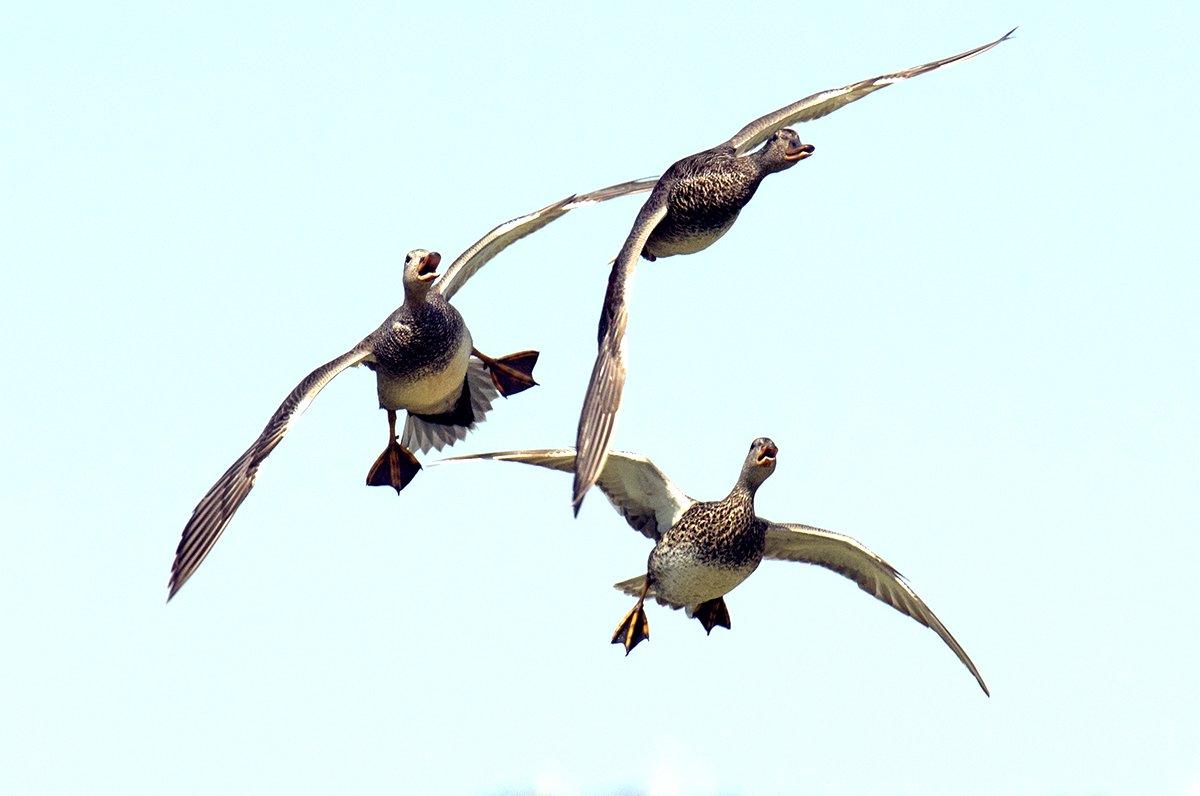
633	587
422	433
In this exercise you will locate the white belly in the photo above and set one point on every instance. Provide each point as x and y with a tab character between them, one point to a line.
692	583
433	392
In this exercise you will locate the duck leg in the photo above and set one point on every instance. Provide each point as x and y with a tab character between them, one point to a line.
712	613
634	628
511	374
396	466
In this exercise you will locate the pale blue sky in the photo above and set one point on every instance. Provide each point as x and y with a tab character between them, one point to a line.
969	321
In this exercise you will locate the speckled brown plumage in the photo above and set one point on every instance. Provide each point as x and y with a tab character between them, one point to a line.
713	547
705	193
704	550
424	342
415	341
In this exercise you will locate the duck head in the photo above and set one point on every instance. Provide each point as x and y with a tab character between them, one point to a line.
420	270
760	462
783	150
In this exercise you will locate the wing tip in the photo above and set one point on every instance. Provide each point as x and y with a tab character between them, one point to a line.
577	496
466	457
174	585
583	482
492	456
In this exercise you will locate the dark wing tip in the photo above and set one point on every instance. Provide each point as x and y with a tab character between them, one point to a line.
183	567
577	495
180	572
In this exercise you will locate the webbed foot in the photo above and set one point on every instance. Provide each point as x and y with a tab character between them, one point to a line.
395	467
712	613
633	630
511	374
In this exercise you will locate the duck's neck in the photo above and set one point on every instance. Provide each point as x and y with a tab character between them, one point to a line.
767	161
419	294
743	491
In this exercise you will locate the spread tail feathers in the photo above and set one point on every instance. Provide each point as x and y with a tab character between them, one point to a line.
422	434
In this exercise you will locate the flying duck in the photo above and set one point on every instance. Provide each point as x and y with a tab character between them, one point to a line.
693	204
425	362
704	549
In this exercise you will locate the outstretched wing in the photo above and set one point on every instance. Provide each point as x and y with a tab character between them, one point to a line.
512	231
826	102
215	509
795	542
643	494
608	374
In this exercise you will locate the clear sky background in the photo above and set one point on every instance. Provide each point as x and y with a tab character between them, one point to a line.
969	322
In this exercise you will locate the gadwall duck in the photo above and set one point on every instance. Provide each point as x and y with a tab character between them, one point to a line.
694	203
704	549
425	362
